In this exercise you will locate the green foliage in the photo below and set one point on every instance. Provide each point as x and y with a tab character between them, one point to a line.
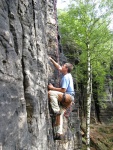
86	23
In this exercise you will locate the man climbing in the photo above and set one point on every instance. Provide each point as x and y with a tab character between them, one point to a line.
64	94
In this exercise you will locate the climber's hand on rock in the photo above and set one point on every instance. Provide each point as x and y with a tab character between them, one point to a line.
50	58
50	86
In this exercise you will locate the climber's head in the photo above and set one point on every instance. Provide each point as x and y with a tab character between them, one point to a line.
67	68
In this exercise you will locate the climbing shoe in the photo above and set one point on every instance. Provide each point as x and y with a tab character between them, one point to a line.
58	137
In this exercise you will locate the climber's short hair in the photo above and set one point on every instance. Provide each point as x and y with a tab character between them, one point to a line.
69	66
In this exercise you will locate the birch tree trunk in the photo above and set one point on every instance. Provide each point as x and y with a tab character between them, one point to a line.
89	93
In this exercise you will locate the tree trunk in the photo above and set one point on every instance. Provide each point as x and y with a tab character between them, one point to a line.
89	93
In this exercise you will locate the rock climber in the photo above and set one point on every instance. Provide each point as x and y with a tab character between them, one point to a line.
63	95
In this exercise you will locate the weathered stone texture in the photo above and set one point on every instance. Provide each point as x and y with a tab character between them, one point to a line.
23	74
106	109
28	32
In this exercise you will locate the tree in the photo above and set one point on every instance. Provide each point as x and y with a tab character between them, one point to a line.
86	24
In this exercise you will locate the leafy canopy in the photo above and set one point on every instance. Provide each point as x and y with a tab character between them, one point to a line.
84	23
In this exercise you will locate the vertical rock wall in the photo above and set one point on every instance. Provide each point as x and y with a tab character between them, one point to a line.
106	106
23	74
28	34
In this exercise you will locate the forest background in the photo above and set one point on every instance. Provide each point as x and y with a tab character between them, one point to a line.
86	36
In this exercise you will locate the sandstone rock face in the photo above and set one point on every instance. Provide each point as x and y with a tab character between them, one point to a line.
28	34
106	110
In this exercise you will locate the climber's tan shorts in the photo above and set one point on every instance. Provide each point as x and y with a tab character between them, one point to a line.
68	98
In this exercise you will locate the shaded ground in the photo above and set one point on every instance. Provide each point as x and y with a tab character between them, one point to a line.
101	137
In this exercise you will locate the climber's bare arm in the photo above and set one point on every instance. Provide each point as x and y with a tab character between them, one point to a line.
56	64
51	87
